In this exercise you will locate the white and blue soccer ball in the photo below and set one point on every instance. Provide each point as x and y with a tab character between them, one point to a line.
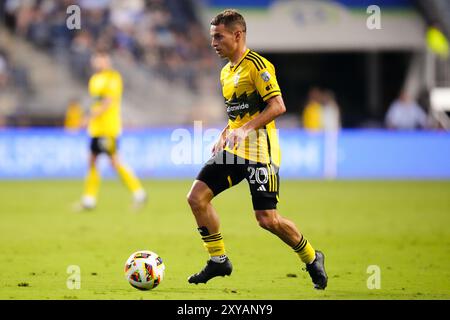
144	270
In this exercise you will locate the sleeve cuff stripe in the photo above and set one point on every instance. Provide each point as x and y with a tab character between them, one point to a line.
272	94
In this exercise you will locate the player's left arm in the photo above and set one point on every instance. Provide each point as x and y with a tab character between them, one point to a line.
105	104
275	107
266	83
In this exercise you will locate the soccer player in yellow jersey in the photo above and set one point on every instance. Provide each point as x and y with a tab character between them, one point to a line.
104	128
247	149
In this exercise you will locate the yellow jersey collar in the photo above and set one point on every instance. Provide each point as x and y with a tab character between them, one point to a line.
234	68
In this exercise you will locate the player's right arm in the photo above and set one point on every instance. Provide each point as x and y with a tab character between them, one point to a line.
105	104
220	144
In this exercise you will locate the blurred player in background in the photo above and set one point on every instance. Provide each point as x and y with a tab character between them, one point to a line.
248	149
73	120
104	128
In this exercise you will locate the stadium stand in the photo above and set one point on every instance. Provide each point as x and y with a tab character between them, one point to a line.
162	49
165	60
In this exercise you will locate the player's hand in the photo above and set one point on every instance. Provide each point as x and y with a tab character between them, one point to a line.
235	138
218	146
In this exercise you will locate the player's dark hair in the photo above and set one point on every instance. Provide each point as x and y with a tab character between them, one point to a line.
229	18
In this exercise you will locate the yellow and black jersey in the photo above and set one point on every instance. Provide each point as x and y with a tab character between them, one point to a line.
246	87
106	85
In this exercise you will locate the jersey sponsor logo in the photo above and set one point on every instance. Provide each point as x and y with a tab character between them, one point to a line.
245	103
265	76
238	107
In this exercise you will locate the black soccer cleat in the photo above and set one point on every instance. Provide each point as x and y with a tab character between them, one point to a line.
317	271
211	270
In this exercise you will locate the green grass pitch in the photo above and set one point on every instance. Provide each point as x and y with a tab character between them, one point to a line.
400	226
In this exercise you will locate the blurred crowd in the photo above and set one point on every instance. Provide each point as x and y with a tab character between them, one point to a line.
14	83
405	113
322	113
4	80
4	70
163	36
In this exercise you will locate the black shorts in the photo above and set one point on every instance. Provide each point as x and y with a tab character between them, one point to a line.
226	170
106	145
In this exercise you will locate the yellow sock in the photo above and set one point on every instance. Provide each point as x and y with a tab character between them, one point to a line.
92	183
214	244
305	251
128	177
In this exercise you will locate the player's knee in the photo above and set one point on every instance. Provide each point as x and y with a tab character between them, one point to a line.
195	201
115	163
92	161
267	220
